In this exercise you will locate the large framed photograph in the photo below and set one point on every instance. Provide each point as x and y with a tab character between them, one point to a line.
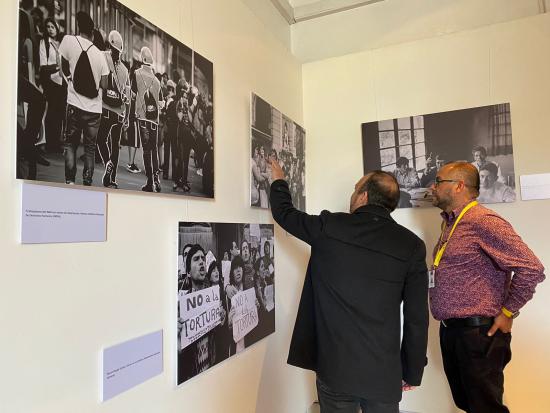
226	292
105	98
275	136
413	148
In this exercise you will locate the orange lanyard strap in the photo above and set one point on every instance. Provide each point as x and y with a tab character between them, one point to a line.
443	245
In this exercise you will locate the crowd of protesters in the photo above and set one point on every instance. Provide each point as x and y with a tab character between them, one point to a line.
79	88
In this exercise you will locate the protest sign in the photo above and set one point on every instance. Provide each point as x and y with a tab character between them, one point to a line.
200	312
245	316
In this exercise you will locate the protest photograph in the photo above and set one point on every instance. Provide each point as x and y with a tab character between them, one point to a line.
107	99
226	292
413	148
275	136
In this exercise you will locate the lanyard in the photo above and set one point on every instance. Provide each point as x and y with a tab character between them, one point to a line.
443	245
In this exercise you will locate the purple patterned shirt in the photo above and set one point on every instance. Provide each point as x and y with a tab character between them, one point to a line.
474	275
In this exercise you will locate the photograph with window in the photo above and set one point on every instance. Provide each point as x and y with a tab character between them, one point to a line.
413	148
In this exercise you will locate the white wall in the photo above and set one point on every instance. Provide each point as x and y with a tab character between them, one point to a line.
508	62
60	304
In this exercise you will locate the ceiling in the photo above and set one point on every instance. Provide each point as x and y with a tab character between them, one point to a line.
319	29
295	11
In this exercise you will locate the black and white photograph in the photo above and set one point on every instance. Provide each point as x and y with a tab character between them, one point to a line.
107	99
226	292
413	148
275	136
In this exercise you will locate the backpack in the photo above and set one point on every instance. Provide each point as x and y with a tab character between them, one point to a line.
112	96
83	77
151	106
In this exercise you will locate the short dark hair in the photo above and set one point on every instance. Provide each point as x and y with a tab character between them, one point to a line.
402	161
186	246
27	4
491	167
480	149
382	190
85	23
235	263
194	249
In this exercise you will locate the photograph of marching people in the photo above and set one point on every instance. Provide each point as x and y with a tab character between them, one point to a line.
107	99
413	148
226	292
275	136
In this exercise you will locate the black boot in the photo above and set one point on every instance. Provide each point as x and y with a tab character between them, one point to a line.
148	187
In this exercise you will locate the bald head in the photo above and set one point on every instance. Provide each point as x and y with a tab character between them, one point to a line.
381	189
465	172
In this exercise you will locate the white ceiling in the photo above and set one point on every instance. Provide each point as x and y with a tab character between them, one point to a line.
297	3
295	11
319	29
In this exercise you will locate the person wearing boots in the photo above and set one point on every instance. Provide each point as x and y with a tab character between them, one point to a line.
148	104
113	116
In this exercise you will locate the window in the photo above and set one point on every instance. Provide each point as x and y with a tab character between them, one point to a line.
402	137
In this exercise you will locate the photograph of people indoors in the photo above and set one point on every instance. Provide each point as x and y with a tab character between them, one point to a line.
414	149
275	136
226	292
107	99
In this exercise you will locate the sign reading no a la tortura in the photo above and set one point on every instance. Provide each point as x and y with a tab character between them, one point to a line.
246	313
200	312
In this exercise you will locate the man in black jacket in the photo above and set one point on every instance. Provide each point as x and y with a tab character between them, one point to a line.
363	266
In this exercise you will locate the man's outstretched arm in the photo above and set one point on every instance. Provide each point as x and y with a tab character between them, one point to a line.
301	225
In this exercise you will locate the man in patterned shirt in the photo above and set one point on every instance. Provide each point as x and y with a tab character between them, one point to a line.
483	273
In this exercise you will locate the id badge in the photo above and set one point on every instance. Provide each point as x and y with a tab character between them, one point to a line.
431	278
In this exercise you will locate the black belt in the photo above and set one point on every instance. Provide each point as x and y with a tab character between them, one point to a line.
147	124
107	114
467	322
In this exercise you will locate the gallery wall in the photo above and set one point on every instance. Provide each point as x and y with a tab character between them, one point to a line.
507	62
60	304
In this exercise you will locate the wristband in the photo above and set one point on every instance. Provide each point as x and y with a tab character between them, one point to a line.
508	313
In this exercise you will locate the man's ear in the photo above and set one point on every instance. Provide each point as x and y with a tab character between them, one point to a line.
461	186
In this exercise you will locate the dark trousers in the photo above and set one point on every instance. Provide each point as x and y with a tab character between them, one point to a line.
200	149
333	402
169	146
184	143
148	132
474	365
85	124
56	95
26	138
108	138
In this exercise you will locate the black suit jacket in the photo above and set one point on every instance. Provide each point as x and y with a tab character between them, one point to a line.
363	266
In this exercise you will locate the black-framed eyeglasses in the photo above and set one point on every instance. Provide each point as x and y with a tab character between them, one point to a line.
438	180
